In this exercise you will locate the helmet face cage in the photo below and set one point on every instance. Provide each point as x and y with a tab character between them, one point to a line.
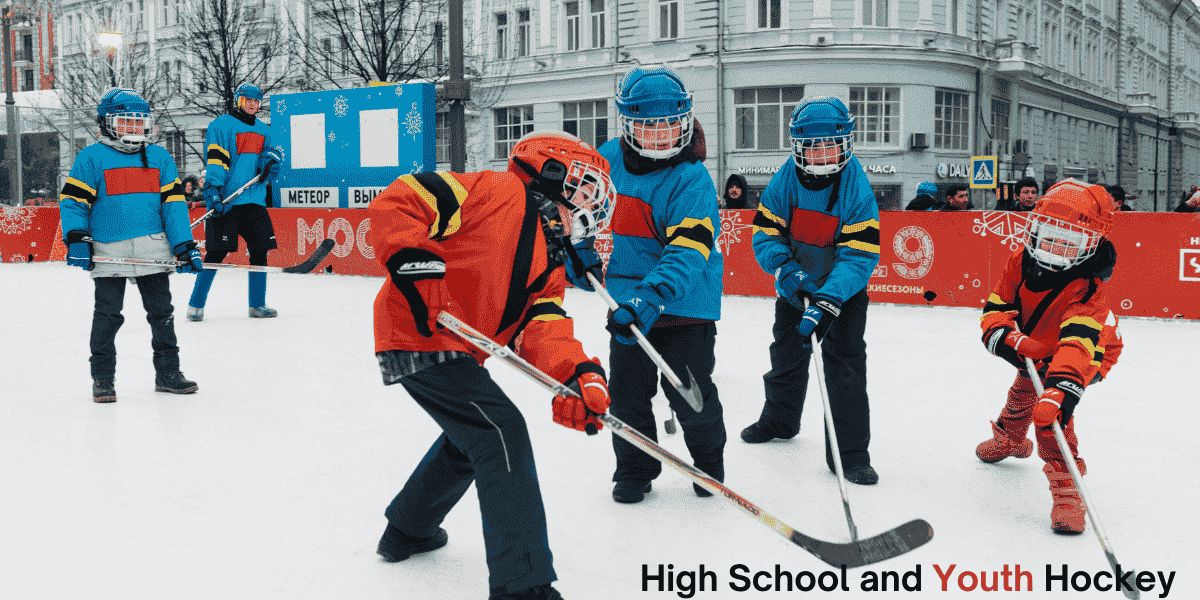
658	137
1057	245
588	197
132	130
820	156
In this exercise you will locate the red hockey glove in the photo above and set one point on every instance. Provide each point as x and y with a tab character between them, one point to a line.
1012	345
1026	346
419	275
1057	402
572	412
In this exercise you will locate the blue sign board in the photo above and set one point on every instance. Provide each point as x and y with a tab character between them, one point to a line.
341	147
983	172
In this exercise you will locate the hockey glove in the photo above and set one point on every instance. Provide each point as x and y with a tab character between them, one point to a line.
79	250
268	163
642	310
188	253
213	200
572	411
792	283
419	275
817	319
1057	402
1012	346
581	260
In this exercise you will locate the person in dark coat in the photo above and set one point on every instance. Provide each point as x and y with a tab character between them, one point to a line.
1026	193
924	200
958	197
1120	197
735	192
1190	201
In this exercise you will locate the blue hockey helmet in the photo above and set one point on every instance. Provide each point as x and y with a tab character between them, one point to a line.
822	135
125	119
655	112
248	90
927	188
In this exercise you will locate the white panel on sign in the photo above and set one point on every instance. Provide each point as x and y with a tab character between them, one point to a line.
360	197
308	141
314	197
379	138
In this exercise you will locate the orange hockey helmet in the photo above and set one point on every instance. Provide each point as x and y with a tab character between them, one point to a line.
571	172
1068	224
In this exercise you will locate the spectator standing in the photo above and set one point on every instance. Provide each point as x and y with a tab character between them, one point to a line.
1120	198
1026	192
958	197
925	198
735	191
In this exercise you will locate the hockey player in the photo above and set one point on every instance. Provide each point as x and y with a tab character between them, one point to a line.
1050	305
123	199
487	248
817	232
664	273
238	147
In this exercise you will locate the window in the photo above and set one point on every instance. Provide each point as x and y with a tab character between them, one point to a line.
951	116
770	14
762	115
27	47
27	83
587	120
875	13
511	124
164	15
1000	125
439	45
599	23
173	141
572	11
501	35
442	136
876	113
524	37
141	15
327	55
164	74
668	19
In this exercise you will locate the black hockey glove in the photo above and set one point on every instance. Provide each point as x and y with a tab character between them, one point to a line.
419	275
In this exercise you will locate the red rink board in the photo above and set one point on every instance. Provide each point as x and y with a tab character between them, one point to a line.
953	255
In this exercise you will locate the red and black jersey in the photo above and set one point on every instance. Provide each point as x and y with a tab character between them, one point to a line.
497	269
1069	314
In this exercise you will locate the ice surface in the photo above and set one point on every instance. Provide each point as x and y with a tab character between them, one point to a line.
272	480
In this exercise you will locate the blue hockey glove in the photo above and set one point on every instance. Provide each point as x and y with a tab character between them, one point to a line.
583	259
213	200
188	253
817	319
641	310
268	163
79	250
793	283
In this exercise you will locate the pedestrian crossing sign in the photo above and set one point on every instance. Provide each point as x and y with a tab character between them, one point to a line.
983	172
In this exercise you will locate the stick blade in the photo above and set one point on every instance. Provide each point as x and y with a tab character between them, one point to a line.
692	394
312	261
889	544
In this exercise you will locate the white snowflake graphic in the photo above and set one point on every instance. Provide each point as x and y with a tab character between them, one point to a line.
413	121
399	90
14	221
340	106
416	168
732	228
1010	226
280	107
331	137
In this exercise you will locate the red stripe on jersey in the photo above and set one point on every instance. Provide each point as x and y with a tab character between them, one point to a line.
131	180
249	143
632	217
814	228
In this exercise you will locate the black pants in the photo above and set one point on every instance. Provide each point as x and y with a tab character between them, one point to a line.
250	221
845	357
484	440
107	319
633	382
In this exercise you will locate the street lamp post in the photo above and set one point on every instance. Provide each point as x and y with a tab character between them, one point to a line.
12	149
111	42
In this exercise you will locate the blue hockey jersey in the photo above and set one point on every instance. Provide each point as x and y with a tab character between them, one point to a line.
664	229
232	148
835	239
114	197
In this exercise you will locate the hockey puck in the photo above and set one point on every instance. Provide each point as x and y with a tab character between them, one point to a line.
930	295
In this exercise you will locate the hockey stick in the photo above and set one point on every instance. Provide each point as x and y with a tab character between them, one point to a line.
830	432
1065	449
889	544
689	392
307	266
204	217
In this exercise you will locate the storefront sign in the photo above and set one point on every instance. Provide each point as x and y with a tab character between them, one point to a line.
885	169
758	170
945	170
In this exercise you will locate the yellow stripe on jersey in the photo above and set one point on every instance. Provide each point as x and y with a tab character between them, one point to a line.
767	222
693	233
863	236
172	192
77	190
218	156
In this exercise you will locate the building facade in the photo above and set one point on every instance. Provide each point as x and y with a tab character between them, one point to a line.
1102	90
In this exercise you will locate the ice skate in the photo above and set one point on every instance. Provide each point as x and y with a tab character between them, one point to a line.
1001	446
263	312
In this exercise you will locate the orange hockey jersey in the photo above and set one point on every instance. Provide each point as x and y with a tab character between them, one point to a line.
497	268
1070	315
